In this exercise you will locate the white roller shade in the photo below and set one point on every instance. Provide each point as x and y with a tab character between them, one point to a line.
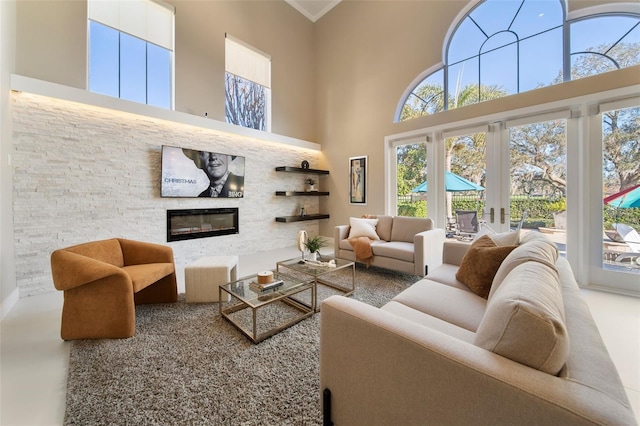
149	20
563	114
247	62
619	104
465	131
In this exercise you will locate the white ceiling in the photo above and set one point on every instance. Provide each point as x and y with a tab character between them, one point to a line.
313	9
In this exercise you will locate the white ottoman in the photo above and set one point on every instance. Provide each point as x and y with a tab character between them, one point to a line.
203	277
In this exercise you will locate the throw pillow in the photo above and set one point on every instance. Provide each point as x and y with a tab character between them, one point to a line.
480	264
363	228
503	239
507	238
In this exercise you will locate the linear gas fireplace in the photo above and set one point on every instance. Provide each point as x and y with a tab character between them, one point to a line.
201	223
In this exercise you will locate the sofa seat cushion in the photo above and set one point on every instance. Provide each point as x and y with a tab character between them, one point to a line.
524	319
395	250
147	274
458	307
446	274
480	264
429	321
346	245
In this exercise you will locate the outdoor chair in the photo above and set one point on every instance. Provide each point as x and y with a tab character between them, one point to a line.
525	214
467	222
622	233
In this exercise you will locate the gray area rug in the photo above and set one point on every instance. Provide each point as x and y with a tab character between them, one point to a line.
188	365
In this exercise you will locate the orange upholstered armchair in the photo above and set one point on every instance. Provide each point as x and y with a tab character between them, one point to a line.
104	280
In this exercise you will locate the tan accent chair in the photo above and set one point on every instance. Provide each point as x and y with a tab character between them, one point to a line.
104	280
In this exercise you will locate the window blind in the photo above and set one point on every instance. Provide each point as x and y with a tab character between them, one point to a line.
149	20
247	62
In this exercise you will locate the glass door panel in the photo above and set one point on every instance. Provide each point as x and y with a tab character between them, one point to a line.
621	190
538	179
465	175
411	166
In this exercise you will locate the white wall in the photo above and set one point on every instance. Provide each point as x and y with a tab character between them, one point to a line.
8	291
83	173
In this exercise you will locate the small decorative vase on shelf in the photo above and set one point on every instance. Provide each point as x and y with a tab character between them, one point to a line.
311	185
314	256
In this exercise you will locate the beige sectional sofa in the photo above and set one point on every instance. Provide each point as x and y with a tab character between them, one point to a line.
440	354
405	244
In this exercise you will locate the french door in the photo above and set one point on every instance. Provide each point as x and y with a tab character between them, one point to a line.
551	169
612	228
537	190
514	175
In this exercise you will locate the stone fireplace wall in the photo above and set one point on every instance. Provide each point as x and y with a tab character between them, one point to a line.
83	173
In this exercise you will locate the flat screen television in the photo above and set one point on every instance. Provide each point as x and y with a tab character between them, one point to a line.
193	173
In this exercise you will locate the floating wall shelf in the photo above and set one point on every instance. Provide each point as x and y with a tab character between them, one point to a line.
288	219
301	193
301	170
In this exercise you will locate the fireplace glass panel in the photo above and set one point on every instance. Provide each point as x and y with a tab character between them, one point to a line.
201	223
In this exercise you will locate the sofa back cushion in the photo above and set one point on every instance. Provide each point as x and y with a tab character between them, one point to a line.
524	320
528	237
108	251
405	228
534	250
383	229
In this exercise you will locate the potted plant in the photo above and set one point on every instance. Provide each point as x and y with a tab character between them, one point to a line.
314	244
312	184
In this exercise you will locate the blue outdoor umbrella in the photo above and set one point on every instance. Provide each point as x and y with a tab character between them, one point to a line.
626	199
453	183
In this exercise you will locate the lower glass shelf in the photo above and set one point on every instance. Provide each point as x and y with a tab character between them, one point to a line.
287	219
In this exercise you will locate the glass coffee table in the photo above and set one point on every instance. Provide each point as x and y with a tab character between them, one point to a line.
277	308
320	273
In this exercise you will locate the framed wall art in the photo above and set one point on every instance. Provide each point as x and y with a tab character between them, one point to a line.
358	180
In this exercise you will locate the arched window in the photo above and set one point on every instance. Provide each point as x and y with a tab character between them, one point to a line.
501	48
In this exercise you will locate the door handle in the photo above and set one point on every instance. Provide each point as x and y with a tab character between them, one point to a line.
492	215
502	215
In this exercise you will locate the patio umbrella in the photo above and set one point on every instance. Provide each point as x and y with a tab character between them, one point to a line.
627	198
453	183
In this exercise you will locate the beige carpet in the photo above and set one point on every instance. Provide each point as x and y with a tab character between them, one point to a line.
187	365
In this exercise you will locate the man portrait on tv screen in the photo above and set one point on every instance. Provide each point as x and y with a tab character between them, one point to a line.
222	183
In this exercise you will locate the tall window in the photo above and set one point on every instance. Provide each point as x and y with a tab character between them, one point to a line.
130	50
621	189
411	163
247	85
505	47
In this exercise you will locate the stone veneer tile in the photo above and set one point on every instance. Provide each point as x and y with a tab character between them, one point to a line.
83	173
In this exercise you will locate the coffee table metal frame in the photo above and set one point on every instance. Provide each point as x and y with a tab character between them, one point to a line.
247	298
318	270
